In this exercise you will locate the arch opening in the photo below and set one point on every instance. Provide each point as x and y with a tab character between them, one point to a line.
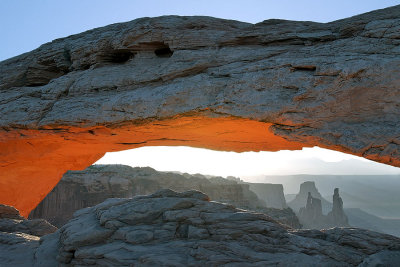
365	185
261	181
33	161
247	165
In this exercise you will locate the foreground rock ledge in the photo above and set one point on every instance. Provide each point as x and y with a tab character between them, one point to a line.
19	238
185	229
95	184
198	81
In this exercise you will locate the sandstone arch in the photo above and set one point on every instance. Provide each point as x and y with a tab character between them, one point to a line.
198	81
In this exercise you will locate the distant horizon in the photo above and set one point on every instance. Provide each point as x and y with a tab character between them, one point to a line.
308	161
373	194
266	175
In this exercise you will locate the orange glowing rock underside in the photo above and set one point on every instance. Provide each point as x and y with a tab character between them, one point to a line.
33	161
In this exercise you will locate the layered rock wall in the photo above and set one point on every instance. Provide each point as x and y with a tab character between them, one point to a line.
198	81
81	189
272	194
185	229
337	217
302	198
12	222
311	216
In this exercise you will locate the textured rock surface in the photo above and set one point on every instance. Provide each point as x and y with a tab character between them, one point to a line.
202	82
285	216
184	229
17	249
19	238
81	189
9	212
12	222
36	227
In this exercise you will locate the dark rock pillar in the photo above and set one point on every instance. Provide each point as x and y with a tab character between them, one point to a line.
337	217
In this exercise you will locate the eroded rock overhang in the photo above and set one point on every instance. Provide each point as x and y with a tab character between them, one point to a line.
198	81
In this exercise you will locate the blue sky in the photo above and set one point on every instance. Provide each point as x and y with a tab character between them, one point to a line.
26	24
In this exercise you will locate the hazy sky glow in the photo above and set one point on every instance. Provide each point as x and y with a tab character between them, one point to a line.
26	24
195	160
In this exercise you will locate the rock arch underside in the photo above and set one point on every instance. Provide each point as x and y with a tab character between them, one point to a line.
201	82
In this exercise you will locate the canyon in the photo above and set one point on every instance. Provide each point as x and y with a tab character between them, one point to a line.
322	217
301	198
95	184
311	216
201	82
82	189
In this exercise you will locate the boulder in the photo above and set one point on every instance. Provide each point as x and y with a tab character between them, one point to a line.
9	212
284	216
17	249
12	222
81	189
20	238
186	229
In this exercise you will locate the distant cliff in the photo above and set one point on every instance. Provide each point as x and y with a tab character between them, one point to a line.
272	194
80	189
311	215
301	198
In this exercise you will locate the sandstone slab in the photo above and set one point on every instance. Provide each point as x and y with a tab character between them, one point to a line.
185	229
198	81
81	189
